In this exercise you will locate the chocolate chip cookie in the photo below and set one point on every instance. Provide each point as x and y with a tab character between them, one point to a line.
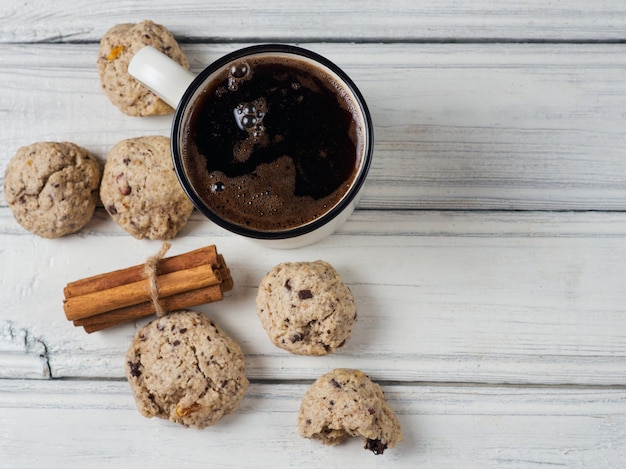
306	308
345	403
184	368
52	187
140	189
117	48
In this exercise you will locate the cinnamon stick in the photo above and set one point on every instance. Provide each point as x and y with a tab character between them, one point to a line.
227	280
178	282
131	313
97	302
204	256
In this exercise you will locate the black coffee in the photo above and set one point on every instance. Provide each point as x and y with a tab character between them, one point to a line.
272	143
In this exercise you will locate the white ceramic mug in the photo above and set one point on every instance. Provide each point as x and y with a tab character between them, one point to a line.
184	91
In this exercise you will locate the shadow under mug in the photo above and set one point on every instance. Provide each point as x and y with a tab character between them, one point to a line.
181	89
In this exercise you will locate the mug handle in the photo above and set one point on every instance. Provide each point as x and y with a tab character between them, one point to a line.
162	75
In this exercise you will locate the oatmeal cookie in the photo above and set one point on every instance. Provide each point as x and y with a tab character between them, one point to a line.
345	403
184	368
117	48
140	189
306	308
52	187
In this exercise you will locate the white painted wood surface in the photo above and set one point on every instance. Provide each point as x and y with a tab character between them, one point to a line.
487	254
326	20
449	426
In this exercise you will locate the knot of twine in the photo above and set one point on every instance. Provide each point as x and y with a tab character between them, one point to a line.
151	272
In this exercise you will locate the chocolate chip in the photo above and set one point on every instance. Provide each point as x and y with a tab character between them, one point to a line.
135	369
126	161
122	184
287	285
111	209
305	294
371	411
375	446
176	343
334	382
183	330
297	337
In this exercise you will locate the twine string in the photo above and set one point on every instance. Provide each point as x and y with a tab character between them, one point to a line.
151	273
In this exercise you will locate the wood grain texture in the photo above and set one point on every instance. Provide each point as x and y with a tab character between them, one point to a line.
463	297
349	20
504	127
444	426
486	255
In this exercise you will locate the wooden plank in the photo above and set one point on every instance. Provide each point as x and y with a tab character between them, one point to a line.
72	424
442	296
323	20
506	127
21	354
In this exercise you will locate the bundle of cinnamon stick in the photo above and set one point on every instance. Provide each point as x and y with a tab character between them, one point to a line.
182	281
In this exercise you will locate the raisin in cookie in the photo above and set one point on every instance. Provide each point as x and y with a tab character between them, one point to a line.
52	187
117	48
140	189
306	308
344	403
184	368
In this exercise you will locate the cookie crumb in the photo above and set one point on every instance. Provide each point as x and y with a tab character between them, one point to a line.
358	408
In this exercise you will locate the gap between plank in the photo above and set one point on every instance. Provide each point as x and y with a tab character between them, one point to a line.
348	40
382	382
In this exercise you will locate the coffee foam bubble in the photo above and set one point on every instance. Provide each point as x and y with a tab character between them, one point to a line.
238	72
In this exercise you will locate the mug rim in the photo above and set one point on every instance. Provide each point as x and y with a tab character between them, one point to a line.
297	231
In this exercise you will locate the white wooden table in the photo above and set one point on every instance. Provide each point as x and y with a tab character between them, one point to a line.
487	255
